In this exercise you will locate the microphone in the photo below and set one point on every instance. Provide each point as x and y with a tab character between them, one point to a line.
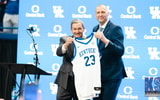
32	29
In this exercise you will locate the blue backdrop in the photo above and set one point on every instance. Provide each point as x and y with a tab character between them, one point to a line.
139	19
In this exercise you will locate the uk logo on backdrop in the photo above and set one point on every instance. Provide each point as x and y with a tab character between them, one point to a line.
53	88
130	73
35	30
58	11
130	32
155	12
54	48
154	53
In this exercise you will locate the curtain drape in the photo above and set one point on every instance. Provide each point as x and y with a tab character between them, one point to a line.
8	54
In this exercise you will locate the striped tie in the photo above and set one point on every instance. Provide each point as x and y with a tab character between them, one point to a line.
101	29
99	42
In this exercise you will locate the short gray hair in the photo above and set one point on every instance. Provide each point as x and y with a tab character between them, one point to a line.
77	21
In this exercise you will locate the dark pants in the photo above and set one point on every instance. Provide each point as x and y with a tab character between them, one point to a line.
69	93
109	90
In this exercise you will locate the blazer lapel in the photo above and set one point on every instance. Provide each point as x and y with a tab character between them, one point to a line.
101	45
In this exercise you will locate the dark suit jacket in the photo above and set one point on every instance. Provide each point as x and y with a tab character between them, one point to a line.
112	66
66	67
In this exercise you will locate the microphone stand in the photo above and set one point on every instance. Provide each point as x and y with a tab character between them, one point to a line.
36	62
36	59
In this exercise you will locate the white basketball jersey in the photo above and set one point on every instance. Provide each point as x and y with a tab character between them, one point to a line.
86	67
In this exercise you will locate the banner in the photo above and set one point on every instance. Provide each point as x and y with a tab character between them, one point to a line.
139	19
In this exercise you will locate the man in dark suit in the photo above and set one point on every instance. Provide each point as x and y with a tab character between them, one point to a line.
65	79
111	50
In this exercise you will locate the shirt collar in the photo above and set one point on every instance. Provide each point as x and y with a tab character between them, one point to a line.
104	25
